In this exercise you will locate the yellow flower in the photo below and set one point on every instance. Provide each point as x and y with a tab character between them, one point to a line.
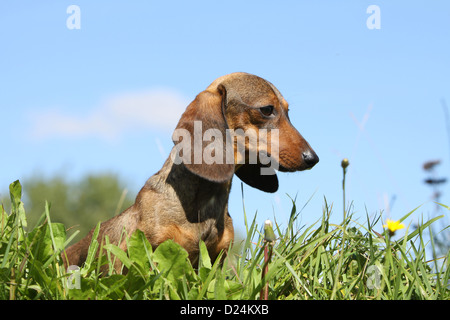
393	226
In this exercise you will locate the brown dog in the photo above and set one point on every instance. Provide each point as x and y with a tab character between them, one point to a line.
187	200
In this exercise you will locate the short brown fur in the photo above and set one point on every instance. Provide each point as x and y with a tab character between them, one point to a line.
189	202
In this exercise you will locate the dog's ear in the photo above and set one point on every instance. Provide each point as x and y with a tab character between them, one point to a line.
251	175
203	128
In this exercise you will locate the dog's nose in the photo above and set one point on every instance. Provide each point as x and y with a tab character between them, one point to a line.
310	158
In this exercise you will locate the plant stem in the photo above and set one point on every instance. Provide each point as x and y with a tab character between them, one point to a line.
264	295
344	166
343	196
12	288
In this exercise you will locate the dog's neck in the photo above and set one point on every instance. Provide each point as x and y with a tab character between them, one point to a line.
200	198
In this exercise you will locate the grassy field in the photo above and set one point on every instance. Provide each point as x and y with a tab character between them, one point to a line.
322	261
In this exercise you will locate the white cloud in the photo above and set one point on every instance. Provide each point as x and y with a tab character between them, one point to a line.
116	115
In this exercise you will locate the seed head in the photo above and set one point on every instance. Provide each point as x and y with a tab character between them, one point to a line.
269	235
345	163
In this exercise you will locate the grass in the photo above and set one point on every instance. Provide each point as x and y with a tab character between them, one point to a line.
346	261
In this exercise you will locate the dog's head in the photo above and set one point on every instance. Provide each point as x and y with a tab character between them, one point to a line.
240	124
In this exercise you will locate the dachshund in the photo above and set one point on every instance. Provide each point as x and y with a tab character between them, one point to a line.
187	200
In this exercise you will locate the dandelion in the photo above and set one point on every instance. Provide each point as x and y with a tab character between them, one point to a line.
393	226
345	163
269	235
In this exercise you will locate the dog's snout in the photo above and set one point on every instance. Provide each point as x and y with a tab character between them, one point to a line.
310	158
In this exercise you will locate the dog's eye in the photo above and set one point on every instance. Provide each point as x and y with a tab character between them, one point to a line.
266	111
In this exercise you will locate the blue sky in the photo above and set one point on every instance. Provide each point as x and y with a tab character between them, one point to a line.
107	96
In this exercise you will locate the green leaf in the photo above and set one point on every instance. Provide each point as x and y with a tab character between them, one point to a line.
207	276
204	259
55	243
93	247
139	249
219	288
420	229
172	260
443	205
408	214
119	253
15	191
233	289
43	245
56	231
17	208
114	286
